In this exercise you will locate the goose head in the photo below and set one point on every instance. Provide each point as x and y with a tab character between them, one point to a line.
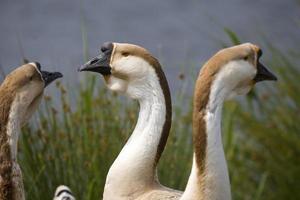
126	68
63	192
25	85
237	69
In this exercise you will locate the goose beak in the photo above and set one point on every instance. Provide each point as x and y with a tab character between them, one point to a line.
263	74
100	64
49	77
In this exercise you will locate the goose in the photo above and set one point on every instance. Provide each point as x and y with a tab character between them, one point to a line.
130	69
20	95
230	72
63	192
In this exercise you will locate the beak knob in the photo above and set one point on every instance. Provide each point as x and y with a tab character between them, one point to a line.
107	47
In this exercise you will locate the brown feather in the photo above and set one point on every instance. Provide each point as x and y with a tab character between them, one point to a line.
8	89
6	186
201	98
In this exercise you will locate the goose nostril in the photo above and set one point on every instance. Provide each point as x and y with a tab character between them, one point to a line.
94	61
107	46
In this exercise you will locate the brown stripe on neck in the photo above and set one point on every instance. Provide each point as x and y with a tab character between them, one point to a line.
6	186
168	119
201	98
168	103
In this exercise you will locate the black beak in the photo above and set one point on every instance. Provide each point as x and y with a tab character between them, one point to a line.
263	74
100	64
49	77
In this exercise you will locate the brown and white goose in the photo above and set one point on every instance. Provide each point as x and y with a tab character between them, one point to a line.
20	95
132	70
231	71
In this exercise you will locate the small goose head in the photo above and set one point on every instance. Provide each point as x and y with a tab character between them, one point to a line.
26	84
126	68
63	192
237	68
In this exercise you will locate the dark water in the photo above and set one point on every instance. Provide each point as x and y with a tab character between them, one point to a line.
180	33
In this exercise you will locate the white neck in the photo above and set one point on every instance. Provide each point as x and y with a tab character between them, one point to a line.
213	183
134	170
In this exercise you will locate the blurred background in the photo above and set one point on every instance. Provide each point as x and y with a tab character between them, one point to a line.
261	131
177	32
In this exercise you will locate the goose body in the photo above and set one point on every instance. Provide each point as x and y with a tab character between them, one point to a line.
20	95
230	72
132	70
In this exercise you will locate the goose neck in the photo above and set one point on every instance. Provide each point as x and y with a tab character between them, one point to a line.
209	177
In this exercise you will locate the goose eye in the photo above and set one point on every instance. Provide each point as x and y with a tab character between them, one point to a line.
245	58
30	78
125	54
